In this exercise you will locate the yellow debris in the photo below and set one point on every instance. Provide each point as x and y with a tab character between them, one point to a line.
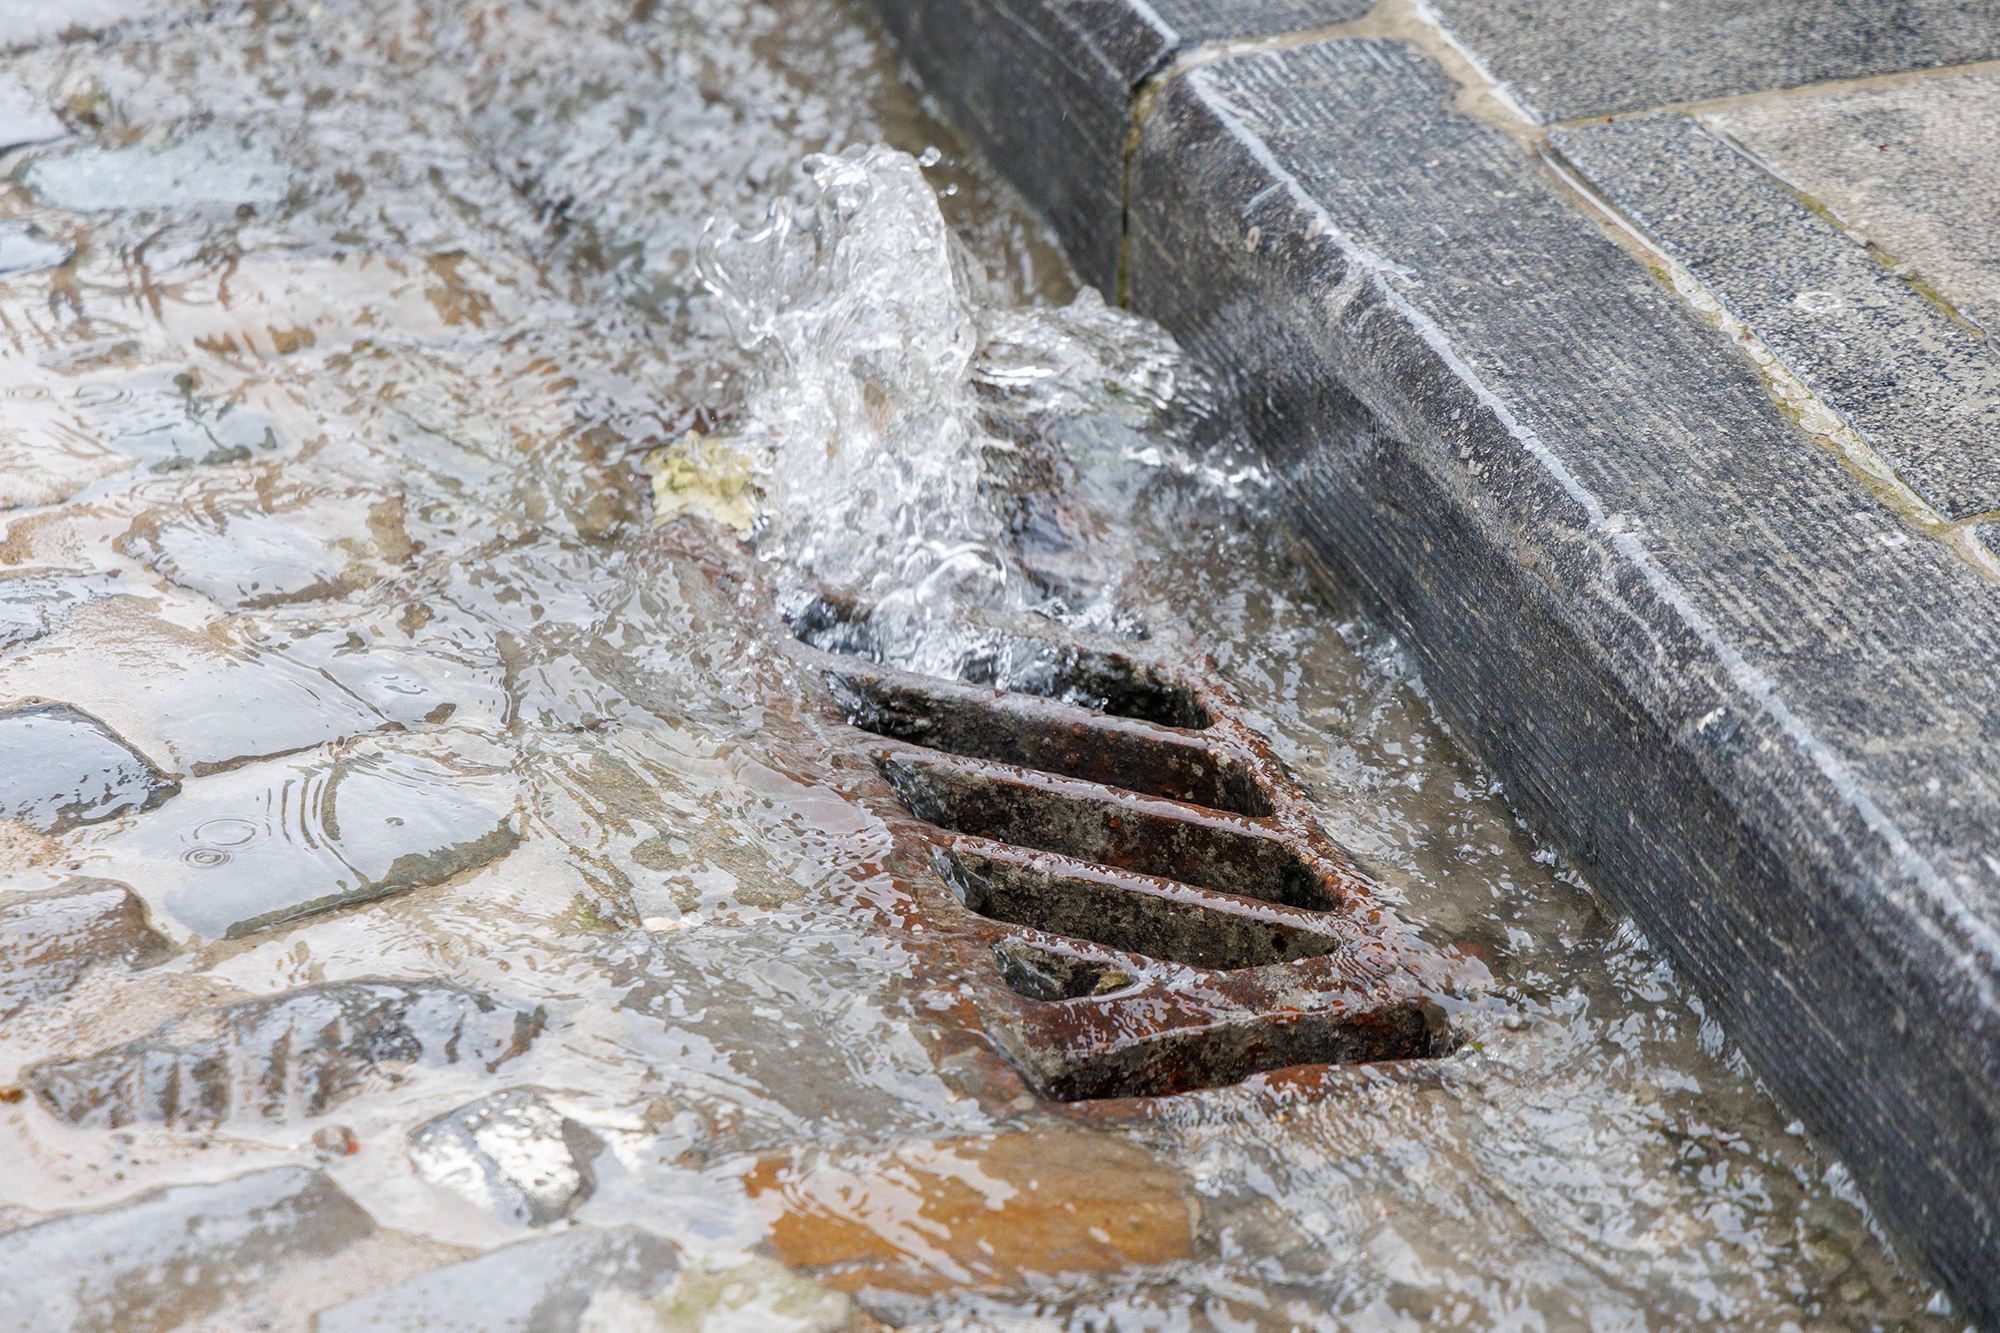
702	476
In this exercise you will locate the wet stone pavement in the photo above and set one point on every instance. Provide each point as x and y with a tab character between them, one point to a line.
438	896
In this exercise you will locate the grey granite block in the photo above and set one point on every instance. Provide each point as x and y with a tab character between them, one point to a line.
281	1058
1573	58
48	941
1045	89
1735	689
1918	387
511	1153
61	767
1911	167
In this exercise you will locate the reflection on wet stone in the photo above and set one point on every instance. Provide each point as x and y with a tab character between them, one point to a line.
538	1286
49	940
278	842
25	118
160	419
289	1057
209	169
172	1255
36	602
513	1154
61	767
240	559
24	249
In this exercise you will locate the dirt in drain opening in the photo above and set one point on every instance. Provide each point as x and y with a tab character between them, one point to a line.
500	884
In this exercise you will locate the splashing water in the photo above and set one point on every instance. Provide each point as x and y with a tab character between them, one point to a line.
861	418
884	469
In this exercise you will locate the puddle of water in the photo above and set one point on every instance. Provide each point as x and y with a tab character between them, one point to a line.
319	453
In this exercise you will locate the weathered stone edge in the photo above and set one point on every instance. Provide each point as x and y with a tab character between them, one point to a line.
1777	882
1046	90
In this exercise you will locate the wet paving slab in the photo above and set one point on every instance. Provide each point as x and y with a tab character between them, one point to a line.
1570	61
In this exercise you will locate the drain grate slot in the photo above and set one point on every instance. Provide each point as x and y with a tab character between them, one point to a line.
1108	682
1051	738
1141	914
1043	974
1205	848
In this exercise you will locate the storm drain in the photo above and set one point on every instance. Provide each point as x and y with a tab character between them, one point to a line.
1172	916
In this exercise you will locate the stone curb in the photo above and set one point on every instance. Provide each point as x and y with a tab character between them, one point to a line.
1705	659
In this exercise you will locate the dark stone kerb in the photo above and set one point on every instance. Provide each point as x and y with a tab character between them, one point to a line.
1045	89
1641	595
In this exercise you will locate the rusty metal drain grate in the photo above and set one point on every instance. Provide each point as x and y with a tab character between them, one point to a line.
1160	908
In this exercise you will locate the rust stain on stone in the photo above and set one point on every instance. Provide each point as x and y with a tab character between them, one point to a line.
973	1212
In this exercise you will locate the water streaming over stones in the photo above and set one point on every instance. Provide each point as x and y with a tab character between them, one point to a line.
413	855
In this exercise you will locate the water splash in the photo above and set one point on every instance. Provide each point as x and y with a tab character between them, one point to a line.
896	415
860	421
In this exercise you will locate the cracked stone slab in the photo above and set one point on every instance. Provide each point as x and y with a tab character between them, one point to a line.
172	1255
284	1058
1910	167
513	1154
61	768
49	940
1568	59
1917	386
1750	704
543	1285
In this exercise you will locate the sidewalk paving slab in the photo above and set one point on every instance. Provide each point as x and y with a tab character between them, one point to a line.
1917	386
1913	169
1567	59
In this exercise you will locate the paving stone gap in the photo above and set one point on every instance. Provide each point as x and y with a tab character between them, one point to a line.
1699	573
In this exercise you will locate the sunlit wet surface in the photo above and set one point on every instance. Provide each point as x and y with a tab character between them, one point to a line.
487	834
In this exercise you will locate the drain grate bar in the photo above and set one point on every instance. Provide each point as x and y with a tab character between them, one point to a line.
1141	914
1032	732
1130	1026
1092	822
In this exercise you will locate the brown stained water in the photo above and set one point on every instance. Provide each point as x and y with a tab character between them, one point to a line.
330	338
